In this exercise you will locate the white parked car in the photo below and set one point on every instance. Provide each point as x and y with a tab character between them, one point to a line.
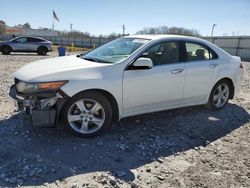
128	76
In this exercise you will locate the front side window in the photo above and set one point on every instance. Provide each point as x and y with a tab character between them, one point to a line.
115	51
164	53
22	39
197	52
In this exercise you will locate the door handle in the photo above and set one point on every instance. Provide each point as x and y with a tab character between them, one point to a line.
176	71
213	65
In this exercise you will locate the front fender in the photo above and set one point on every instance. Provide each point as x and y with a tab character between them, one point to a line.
113	87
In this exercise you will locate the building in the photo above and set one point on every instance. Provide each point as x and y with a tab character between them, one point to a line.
25	31
29	32
13	30
2	27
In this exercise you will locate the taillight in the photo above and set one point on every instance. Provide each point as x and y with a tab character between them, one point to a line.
241	66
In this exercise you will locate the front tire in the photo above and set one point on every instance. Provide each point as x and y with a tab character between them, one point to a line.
219	95
87	114
6	50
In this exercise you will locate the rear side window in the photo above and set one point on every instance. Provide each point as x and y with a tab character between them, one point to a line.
34	40
164	53
197	52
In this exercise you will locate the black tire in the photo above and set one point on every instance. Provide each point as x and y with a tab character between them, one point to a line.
212	102
91	95
42	50
6	50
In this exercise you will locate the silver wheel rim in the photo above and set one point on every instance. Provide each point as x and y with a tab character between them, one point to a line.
86	116
221	94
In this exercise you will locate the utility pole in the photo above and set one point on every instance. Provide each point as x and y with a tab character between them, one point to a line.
123	30
213	29
70	26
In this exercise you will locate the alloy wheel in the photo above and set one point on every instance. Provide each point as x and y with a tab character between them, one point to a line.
86	116
221	95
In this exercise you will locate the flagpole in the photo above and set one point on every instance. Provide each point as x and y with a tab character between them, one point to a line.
53	23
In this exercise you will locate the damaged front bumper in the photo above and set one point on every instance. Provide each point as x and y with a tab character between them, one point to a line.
13	95
44	111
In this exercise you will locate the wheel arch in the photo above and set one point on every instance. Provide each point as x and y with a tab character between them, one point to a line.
42	46
111	99
6	45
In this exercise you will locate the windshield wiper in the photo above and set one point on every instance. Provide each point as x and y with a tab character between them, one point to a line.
96	60
90	59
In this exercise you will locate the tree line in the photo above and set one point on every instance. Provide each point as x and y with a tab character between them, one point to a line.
169	30
146	30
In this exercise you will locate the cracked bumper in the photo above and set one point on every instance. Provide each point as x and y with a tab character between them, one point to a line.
41	115
13	95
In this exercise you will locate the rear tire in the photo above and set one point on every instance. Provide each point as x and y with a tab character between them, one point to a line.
6	50
219	95
87	114
42	50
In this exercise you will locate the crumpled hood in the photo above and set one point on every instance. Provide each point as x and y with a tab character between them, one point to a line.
47	67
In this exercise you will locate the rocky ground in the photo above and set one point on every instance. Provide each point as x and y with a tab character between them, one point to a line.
188	147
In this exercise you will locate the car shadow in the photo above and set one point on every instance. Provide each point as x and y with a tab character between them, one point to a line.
132	143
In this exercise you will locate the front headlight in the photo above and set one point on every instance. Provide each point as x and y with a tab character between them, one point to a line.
40	87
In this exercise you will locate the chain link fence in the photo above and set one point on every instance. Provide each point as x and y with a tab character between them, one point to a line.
239	46
85	42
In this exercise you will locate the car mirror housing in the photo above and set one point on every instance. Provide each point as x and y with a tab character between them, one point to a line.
143	63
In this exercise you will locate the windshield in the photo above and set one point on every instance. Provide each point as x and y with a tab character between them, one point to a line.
13	39
115	51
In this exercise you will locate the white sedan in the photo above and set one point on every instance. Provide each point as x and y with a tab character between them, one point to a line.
128	76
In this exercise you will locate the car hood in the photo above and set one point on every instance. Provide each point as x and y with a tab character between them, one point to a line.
3	42
49	68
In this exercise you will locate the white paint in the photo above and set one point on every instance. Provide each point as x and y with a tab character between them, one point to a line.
139	91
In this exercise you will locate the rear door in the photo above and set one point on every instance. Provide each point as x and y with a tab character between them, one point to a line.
34	43
202	65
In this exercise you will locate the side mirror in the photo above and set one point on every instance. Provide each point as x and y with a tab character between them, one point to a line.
143	63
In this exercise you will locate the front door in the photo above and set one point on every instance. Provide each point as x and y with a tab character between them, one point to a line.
21	44
158	87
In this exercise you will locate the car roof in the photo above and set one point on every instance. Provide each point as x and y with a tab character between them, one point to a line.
32	37
172	37
160	36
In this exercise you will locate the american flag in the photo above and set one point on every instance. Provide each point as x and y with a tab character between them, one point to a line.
55	16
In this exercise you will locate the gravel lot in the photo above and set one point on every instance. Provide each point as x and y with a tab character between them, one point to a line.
187	147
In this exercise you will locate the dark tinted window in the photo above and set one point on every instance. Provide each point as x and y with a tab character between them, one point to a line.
197	52
164	53
21	39
34	40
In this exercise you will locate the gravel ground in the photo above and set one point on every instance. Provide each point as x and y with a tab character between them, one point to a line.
187	147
